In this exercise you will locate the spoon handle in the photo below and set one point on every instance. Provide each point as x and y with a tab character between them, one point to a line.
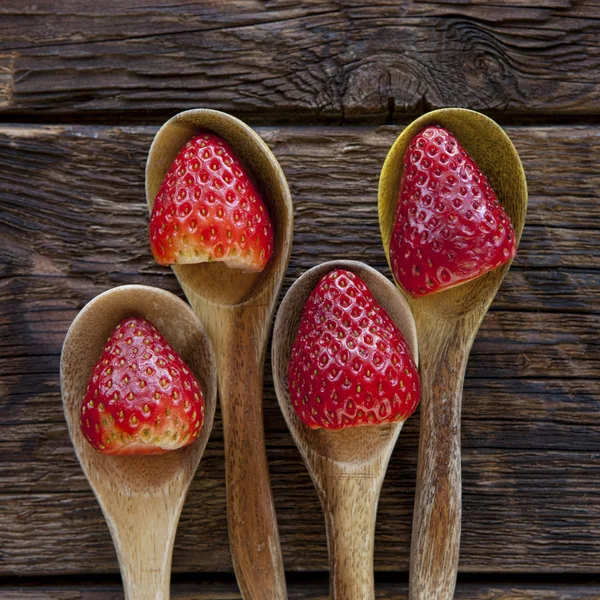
437	514
349	502
253	533
145	548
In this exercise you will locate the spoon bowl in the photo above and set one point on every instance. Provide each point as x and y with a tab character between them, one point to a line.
487	143
141	496
347	466
216	283
237	309
447	323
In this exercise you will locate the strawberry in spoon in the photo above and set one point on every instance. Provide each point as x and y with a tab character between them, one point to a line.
350	365
208	209
141	397
449	226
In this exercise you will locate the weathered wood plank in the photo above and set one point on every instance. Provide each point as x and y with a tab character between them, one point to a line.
69	193
528	416
316	59
510	344
73	222
523	507
305	591
523	511
511	414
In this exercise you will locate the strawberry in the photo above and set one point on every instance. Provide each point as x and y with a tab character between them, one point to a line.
141	397
449	226
349	364
207	208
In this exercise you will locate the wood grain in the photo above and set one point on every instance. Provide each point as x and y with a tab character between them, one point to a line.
531	430
304	591
323	60
542	505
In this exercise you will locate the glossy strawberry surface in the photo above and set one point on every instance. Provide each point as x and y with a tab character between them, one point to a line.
350	365
208	209
141	397
449	225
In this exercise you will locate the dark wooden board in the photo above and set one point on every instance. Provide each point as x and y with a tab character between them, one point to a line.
306	591
293	61
73	223
523	510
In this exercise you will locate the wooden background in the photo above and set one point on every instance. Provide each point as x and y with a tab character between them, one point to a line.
84	87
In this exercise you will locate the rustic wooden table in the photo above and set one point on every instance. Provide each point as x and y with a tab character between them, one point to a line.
83	87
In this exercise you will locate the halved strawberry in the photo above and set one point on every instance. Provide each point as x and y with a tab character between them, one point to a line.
141	398
207	208
350	365
449	226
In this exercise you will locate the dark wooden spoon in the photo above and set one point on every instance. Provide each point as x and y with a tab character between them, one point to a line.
447	323
141	496
237	309
347	466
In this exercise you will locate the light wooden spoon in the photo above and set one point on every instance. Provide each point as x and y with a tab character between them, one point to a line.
237	309
347	466
141	496
447	323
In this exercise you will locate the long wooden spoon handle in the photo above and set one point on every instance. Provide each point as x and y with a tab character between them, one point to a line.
437	515
143	582
350	506
253	533
145	549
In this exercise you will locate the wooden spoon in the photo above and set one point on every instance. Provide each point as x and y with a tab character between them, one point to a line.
237	309
141	496
347	466
447	323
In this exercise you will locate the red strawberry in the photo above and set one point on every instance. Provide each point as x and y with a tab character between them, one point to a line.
350	364
207	208
141	397
449	225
